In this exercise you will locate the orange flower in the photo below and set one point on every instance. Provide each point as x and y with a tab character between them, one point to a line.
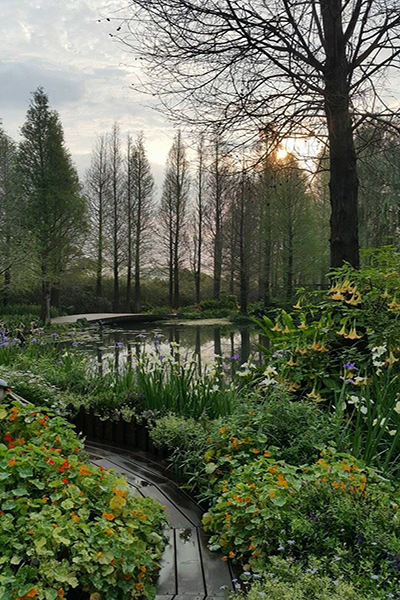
31	594
12	462
143	569
272	494
255	450
222	430
282	481
44	498
20	441
335	485
14	414
139	586
224	558
108	532
267	454
61	593
75	517
231	554
83	471
109	516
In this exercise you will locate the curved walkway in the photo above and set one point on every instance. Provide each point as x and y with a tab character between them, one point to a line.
188	569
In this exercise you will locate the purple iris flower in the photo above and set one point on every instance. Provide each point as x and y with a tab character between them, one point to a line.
120	345
235	356
351	366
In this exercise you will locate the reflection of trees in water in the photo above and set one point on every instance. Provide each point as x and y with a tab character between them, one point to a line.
203	341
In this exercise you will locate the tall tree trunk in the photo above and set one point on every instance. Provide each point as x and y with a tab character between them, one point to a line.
343	183
243	266
218	226
289	267
46	294
99	267
265	270
171	272
6	286
138	291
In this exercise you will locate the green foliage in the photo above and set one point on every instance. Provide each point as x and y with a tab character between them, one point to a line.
329	329
341	349
285	580
25	310
334	511
203	453
64	523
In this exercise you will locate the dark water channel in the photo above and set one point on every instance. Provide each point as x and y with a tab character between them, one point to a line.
205	341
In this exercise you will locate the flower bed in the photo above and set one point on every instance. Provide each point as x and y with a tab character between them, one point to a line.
67	526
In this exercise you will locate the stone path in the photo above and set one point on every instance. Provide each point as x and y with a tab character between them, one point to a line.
189	571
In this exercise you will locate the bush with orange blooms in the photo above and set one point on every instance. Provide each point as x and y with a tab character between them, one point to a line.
65	523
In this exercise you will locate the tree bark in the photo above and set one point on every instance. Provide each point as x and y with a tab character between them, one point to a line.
343	185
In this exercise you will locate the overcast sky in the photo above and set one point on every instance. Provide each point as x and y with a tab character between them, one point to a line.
60	45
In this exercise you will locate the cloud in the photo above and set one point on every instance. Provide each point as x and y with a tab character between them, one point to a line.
18	80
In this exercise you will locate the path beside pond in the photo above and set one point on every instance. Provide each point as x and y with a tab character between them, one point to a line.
109	318
189	571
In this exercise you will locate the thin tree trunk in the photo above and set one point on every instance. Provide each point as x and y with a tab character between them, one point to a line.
243	266
138	292
99	269
6	286
46	294
289	269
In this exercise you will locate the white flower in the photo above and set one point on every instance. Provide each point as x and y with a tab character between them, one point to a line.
364	410
397	407
378	350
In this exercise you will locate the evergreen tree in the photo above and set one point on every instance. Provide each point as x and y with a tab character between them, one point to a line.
11	238
55	209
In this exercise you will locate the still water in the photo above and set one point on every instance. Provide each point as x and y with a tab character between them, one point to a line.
201	339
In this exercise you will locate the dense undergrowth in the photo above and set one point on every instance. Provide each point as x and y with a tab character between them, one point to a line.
296	461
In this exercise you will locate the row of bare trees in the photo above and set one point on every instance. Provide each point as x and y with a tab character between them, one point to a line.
120	190
247	222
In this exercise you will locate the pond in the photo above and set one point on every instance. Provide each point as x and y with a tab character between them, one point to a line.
204	340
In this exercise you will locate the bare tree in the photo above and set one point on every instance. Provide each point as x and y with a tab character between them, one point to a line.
140	214
98	191
290	67
198	218
174	211
117	208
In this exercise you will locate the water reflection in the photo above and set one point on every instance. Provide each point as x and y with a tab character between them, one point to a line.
206	342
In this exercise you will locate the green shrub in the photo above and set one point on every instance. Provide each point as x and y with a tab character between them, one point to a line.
296	431
286	580
66	524
334	511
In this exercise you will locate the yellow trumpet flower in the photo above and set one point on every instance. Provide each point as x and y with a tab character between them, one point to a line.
297	305
337	296
291	362
342	331
293	387
276	328
353	335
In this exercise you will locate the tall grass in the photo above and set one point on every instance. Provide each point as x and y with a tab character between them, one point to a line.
158	380
370	418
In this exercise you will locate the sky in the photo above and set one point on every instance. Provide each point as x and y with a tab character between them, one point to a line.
62	46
